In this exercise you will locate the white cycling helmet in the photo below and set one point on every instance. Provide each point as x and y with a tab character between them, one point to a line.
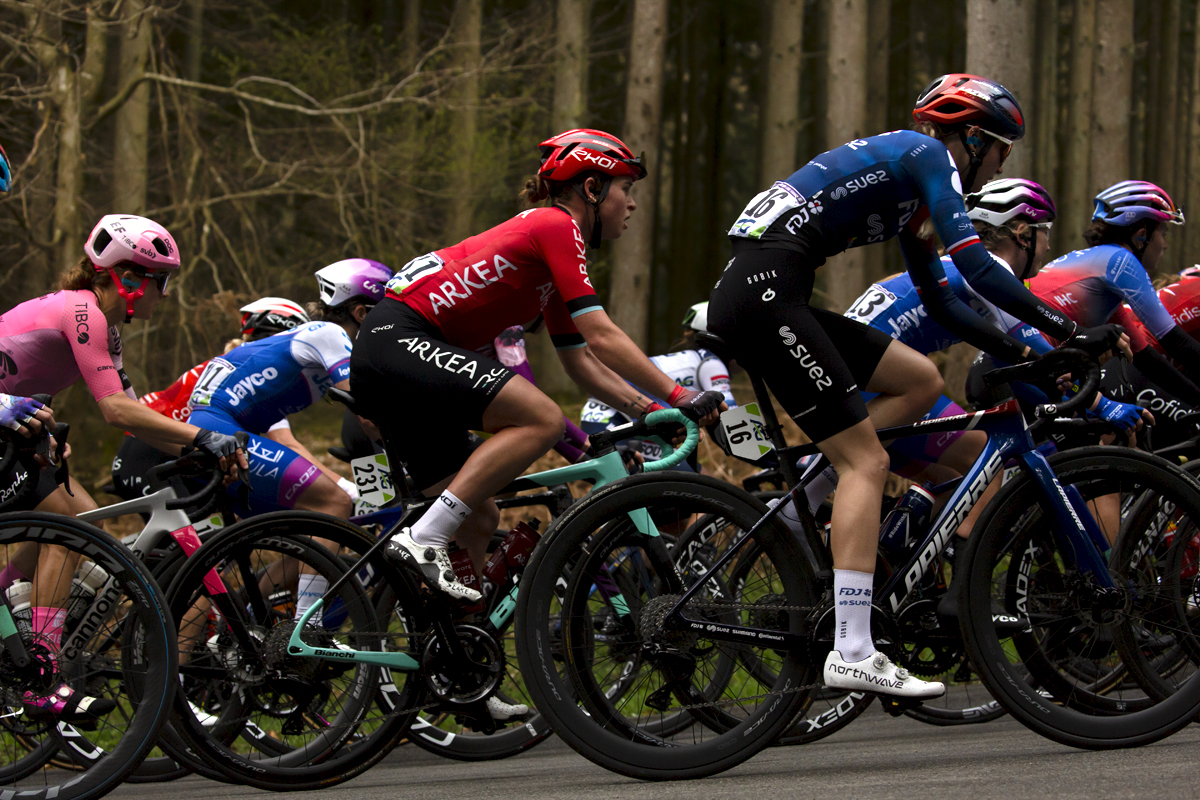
271	315
697	317
353	278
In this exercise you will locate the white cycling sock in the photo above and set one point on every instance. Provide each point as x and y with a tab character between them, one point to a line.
440	521
309	590
852	593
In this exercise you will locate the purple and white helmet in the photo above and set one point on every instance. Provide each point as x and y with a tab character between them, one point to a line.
1129	202
1001	201
353	278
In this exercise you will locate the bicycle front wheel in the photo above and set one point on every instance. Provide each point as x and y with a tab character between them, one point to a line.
117	645
611	677
1064	675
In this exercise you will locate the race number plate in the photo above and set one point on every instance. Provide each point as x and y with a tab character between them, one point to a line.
746	432
373	478
215	522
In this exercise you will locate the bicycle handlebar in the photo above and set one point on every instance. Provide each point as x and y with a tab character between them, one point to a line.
1051	365
195	464
664	422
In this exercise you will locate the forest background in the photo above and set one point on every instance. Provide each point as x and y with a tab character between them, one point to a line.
273	138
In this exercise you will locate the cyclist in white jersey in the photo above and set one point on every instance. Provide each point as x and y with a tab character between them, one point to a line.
689	366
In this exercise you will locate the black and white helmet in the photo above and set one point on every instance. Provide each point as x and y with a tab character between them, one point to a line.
271	315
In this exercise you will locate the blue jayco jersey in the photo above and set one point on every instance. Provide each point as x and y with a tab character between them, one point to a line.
258	383
870	190
894	307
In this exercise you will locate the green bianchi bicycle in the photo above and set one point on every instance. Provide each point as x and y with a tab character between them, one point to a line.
341	686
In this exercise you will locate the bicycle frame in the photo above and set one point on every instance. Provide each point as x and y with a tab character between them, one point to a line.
1008	437
602	470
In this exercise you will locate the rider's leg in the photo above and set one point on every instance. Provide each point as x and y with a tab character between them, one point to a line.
525	424
475	532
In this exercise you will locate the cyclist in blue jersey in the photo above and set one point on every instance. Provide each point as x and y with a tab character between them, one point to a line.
863	192
1013	219
1126	241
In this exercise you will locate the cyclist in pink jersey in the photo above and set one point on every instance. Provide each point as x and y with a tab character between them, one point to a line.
48	343
420	343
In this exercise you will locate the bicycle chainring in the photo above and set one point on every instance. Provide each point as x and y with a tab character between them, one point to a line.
459	684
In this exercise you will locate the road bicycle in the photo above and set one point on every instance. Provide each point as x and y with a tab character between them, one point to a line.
118	644
740	646
416	653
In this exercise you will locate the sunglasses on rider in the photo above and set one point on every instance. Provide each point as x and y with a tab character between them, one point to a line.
1008	144
160	279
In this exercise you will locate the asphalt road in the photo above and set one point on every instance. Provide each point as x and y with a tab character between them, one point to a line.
876	757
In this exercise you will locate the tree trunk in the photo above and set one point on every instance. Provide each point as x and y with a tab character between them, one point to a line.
879	14
1167	61
1112	88
781	99
1077	190
571	76
194	51
131	135
570	106
845	120
466	26
1045	150
633	253
1000	47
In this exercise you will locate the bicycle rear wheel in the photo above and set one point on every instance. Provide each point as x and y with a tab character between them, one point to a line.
119	646
608	677
265	718
1063	676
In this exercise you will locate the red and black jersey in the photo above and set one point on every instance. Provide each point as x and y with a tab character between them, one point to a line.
535	263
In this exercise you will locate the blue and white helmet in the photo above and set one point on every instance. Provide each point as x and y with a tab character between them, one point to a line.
354	278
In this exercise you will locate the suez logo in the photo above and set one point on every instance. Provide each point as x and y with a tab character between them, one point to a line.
854	184
801	353
249	385
81	323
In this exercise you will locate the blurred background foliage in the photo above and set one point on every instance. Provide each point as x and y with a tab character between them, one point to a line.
273	137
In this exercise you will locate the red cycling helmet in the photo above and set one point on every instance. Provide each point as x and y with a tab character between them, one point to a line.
586	150
958	100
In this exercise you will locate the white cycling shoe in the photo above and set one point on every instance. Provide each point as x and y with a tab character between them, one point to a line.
434	563
877	674
504	712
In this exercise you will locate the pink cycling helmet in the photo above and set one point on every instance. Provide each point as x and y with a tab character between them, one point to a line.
1128	202
137	241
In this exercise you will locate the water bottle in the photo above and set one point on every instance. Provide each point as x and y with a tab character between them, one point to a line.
465	570
906	521
511	555
89	579
20	601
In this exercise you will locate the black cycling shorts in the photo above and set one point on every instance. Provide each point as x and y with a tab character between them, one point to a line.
426	396
814	361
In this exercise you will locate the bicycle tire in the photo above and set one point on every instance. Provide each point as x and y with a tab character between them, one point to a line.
578	543
342	754
141	675
991	550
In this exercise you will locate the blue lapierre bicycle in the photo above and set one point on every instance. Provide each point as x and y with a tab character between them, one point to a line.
737	641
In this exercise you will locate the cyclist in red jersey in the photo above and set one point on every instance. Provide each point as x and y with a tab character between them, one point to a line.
420	342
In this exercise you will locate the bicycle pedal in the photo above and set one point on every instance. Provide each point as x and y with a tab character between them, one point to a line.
896	706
